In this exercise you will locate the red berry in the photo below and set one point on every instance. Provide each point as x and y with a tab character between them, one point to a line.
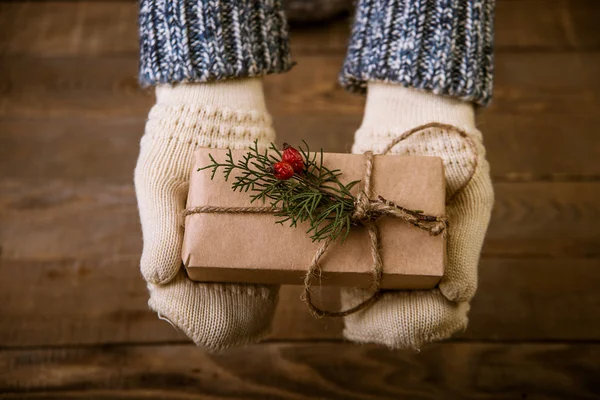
283	171
293	157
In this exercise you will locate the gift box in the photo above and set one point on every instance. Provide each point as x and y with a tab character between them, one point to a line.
253	248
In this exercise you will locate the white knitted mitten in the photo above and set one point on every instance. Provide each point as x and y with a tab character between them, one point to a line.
408	319
227	114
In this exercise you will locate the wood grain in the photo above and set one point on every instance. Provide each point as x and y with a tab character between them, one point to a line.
65	300
63	28
519	147
529	220
305	371
106	150
73	316
107	87
110	148
96	249
72	150
557	105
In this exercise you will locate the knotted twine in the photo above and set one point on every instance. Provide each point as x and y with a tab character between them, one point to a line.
366	212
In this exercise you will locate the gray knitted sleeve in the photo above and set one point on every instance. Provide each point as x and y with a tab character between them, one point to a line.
443	46
207	40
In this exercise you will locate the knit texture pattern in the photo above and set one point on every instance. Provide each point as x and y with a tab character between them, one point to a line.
215	316
410	319
230	114
443	46
208	40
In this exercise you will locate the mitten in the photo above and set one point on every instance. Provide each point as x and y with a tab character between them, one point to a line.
225	114
407	319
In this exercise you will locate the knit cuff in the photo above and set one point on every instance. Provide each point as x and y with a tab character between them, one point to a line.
394	108
207	40
443	46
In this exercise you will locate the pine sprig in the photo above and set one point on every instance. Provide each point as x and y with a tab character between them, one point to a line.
315	194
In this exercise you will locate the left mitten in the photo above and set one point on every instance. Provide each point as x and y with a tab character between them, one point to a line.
226	114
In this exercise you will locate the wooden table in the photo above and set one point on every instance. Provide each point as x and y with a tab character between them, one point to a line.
73	316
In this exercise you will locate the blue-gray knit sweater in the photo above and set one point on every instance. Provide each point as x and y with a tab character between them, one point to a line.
444	46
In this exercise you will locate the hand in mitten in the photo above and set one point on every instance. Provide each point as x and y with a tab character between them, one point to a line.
227	114
403	319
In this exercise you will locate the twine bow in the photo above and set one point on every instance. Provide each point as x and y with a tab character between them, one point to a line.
366	212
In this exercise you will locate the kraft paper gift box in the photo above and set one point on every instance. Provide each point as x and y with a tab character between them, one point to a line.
253	248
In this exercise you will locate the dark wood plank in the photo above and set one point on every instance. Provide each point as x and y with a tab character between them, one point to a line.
66	28
70	87
541	219
536	298
547	24
558	104
568	85
63	28
68	222
103	300
77	150
306	371
519	147
74	150
99	228
529	220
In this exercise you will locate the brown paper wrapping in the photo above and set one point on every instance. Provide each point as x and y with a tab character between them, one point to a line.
252	248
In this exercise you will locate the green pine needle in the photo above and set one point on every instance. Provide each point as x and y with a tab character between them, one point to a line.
316	196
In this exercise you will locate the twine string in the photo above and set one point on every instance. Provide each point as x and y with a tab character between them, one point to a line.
366	212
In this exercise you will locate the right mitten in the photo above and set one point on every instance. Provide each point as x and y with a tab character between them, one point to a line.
407	319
